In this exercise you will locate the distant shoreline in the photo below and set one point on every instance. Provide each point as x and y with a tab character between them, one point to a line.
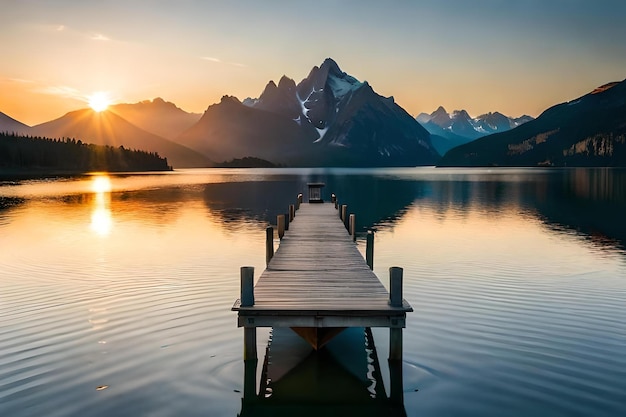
15	174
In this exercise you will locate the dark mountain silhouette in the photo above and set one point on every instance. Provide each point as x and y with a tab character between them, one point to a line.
588	131
458	128
231	130
158	116
328	119
107	128
10	125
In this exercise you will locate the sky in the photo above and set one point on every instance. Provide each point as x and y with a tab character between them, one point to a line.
516	57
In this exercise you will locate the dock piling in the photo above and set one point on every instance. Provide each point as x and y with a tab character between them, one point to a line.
292	212
369	249
269	244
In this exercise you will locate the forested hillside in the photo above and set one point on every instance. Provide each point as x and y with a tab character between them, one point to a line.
24	153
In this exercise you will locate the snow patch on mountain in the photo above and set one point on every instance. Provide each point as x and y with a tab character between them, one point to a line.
344	85
250	102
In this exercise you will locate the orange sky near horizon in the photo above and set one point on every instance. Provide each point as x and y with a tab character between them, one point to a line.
485	55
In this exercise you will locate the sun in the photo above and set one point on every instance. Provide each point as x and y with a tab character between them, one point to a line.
99	101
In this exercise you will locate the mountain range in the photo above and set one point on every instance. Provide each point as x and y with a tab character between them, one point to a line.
588	131
327	119
10	125
330	118
449	130
160	117
107	128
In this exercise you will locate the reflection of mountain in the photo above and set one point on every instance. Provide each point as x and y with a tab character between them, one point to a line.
373	199
591	202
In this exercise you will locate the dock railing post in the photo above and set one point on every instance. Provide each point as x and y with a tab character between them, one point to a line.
247	286
280	222
287	221
269	244
299	201
352	228
395	286
369	249
292	212
333	198
344	214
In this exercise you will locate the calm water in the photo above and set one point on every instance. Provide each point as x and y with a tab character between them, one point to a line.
116	291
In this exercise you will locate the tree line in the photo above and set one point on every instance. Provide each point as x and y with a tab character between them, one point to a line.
23	152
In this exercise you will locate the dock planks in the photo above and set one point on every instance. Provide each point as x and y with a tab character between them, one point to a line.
318	278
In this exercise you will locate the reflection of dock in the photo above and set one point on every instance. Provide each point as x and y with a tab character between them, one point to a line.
342	379
318	284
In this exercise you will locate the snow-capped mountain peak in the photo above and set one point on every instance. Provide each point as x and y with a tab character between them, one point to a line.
459	127
329	118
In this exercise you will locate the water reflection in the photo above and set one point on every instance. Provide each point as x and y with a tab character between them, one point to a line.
585	201
589	202
375	200
343	378
101	218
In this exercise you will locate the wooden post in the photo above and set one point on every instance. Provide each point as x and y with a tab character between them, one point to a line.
395	336
369	249
280	220
249	343
249	380
344	211
395	286
336	204
333	198
395	365
269	244
286	221
299	200
292	212
352	228
247	286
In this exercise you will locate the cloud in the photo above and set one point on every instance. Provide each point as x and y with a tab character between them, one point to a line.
62	91
99	37
60	28
20	80
219	61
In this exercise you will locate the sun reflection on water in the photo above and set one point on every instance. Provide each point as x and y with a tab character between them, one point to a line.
101	219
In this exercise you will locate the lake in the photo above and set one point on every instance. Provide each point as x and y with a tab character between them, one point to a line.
116	292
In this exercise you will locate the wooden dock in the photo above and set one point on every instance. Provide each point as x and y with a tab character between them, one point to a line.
318	280
318	284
